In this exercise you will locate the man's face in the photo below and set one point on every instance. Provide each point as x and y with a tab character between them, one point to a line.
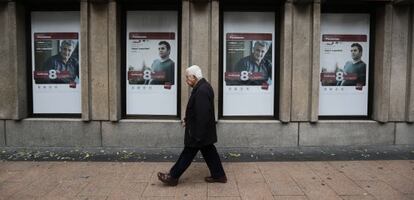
163	51
356	54
66	51
191	80
259	52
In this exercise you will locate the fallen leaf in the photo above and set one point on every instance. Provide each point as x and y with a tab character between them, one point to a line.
234	154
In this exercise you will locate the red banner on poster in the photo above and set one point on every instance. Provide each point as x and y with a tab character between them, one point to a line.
152	35
52	74
251	76
343	38
56	36
249	36
331	76
146	75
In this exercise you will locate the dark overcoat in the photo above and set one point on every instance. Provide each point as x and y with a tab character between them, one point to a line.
200	129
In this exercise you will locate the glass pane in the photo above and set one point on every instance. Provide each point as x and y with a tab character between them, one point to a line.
344	65
151	66
248	86
56	62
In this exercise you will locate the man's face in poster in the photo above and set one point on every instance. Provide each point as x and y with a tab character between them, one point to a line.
259	52
356	53
163	51
66	51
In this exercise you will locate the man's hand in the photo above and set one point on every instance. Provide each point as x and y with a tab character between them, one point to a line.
183	123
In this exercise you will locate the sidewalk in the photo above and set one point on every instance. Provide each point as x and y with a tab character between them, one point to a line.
350	180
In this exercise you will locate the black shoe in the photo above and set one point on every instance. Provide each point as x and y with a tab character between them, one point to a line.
167	179
210	179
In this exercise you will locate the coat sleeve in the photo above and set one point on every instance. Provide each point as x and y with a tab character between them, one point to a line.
202	109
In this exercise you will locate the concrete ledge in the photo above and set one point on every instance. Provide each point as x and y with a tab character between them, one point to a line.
170	134
404	133
52	133
331	133
254	134
134	154
2	139
143	133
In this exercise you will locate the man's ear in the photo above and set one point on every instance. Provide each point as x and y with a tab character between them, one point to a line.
196	78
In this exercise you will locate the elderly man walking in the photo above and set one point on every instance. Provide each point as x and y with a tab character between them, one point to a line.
200	131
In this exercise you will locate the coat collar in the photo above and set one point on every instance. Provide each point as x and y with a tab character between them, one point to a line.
200	82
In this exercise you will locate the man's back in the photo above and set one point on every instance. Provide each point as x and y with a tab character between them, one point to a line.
200	117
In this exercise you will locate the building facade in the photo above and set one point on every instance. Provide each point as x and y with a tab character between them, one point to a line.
302	36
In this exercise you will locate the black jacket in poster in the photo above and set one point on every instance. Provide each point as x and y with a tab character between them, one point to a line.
200	129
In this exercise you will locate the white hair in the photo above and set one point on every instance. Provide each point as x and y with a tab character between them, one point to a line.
196	71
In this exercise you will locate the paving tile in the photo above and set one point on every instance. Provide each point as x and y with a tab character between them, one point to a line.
9	188
278	180
106	171
158	198
157	188
20	165
403	167
123	197
11	175
347	180
92	197
381	190
137	172
224	190
65	168
309	182
254	190
4	165
299	171
224	198
399	183
59	197
220	190
336	180
358	197
191	190
9	171
285	188
31	173
68	188
20	196
96	188
247	173
354	170
38	188
389	176
195	173
318	191
290	198
127	190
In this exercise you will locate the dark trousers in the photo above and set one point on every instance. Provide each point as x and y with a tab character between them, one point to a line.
210	155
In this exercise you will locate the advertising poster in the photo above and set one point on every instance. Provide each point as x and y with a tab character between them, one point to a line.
56	58
56	62
151	63
248	88
344	65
